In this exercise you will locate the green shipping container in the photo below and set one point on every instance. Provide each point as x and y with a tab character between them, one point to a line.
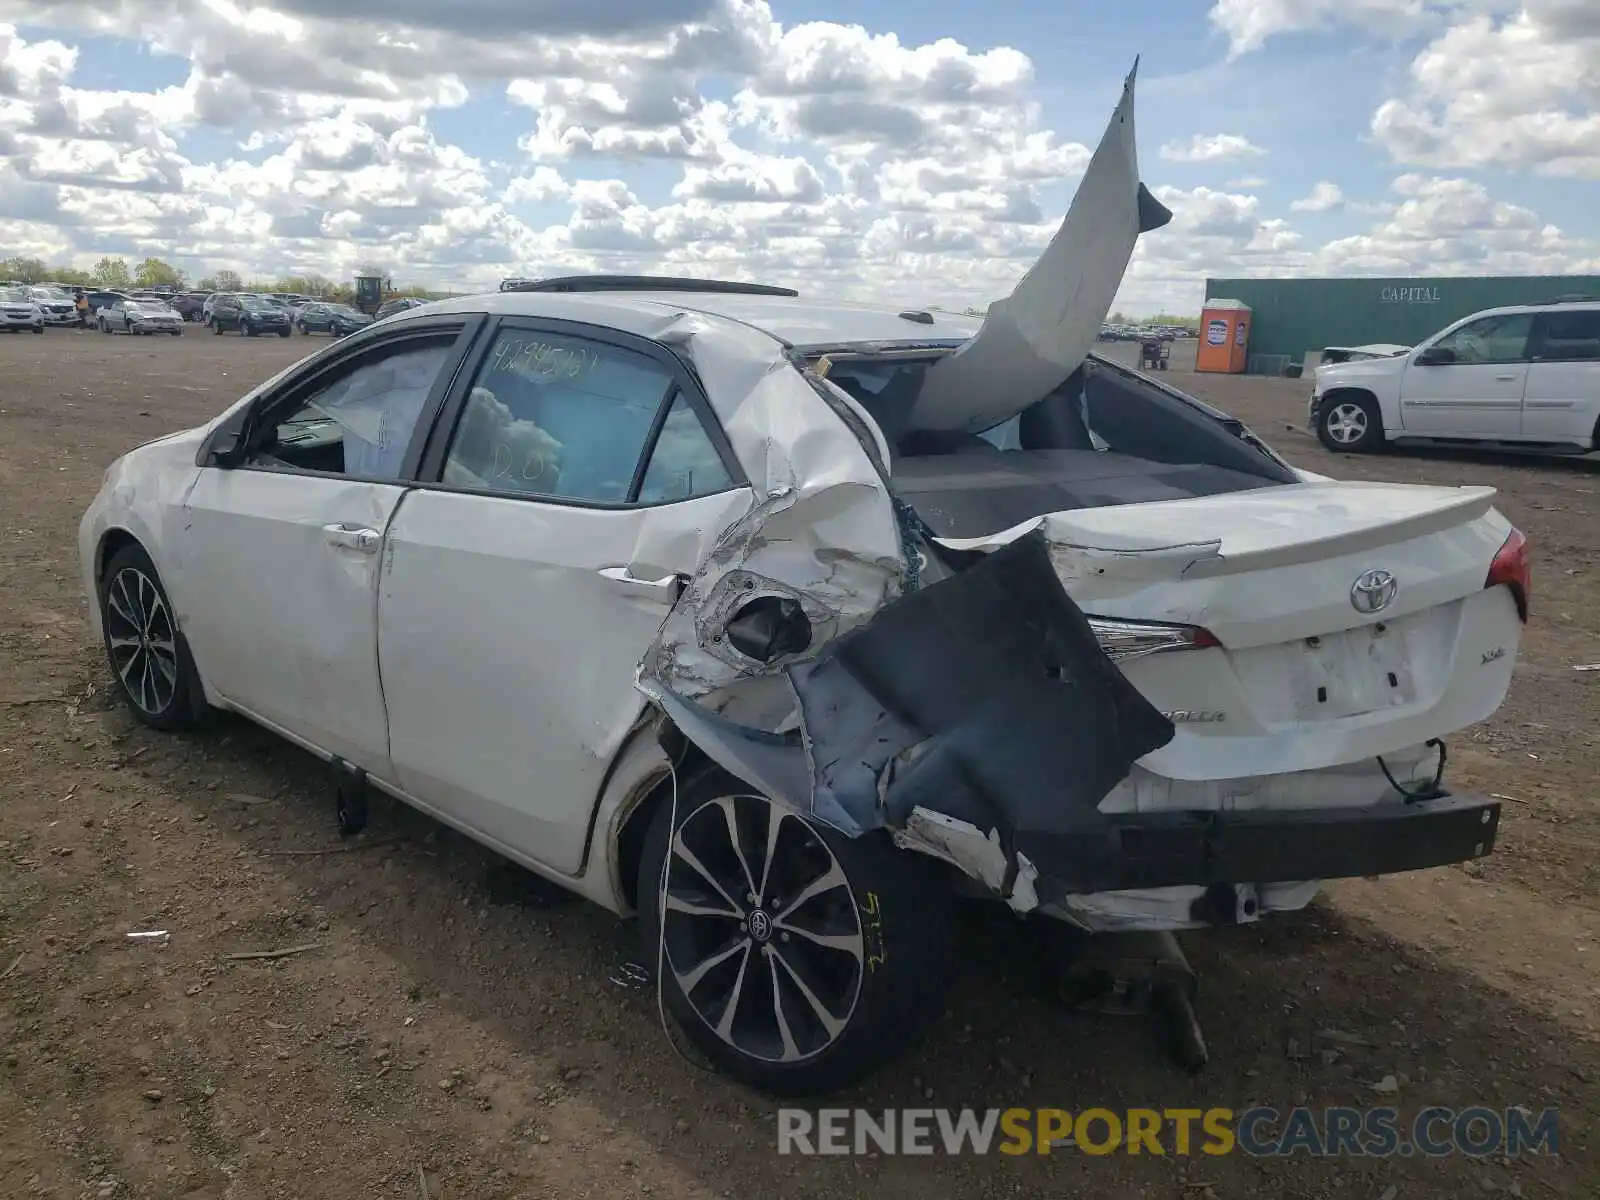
1292	317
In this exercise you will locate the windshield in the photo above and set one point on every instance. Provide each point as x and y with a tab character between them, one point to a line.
256	305
149	306
48	293
344	310
13	295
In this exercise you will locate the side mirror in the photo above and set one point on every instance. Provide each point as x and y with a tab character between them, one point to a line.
1436	356
228	449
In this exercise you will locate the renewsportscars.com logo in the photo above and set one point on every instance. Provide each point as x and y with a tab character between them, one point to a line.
1258	1132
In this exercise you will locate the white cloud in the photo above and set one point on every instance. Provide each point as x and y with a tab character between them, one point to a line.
1249	24
1515	93
840	160
1324	197
1211	148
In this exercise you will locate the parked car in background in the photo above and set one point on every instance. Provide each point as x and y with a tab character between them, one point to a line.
55	303
336	319
139	316
1525	377
190	305
403	304
249	314
19	311
98	298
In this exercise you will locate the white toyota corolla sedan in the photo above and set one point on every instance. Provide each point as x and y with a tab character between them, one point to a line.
782	622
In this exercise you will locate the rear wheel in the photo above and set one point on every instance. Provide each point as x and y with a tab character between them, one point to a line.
155	672
796	959
1349	422
245	330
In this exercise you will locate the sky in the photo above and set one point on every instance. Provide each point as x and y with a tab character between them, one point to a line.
907	151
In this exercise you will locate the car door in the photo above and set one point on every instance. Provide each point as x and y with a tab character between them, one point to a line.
279	548
1562	400
1477	392
576	480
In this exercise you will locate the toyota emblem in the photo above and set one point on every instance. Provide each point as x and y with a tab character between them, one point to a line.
1373	591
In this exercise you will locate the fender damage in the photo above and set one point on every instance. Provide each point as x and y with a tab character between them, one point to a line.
974	715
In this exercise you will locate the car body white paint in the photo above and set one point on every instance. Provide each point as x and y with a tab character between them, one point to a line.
1538	400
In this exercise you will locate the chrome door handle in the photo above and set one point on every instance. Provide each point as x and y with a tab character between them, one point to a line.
353	537
666	588
1505	378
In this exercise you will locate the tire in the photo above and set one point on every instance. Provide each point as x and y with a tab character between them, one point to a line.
177	333
1349	423
104	328
285	332
149	657
245	330
880	984
38	329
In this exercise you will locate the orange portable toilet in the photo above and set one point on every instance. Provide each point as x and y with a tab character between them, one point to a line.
1224	337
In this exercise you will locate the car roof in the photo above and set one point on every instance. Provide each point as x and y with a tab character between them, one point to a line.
1547	306
793	320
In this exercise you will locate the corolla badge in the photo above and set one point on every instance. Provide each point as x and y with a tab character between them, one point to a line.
1373	591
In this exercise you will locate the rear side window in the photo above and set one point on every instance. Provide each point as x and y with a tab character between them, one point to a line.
567	418
1571	336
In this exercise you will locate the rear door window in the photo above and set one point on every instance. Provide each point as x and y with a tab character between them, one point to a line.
1570	337
564	417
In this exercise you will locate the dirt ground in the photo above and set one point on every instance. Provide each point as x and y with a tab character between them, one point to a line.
434	1044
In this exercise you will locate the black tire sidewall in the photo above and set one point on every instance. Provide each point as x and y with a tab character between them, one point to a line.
1368	442
188	704
902	901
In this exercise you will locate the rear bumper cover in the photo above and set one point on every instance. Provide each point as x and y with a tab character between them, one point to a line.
1154	850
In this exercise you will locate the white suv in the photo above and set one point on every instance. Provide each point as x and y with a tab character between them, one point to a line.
1524	378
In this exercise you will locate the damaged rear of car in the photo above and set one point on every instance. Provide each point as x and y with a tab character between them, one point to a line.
1007	618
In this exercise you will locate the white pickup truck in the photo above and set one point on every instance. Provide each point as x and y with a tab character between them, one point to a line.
1522	378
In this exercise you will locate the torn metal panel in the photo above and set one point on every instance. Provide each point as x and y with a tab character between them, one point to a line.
985	697
821	531
1039	334
979	855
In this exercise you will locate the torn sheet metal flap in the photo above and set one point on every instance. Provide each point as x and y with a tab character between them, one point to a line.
984	696
1038	335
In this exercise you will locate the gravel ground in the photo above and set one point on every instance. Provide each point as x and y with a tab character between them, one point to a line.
435	1044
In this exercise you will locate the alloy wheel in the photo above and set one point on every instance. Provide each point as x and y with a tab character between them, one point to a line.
142	640
761	929
1346	423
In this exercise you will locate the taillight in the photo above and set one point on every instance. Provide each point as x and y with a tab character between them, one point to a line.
1513	568
1133	639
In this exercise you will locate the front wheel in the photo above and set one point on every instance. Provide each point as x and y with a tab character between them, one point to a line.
245	330
155	671
1349	423
104	327
796	959
285	332
38	328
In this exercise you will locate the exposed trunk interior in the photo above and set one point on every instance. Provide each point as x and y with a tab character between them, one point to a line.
1107	436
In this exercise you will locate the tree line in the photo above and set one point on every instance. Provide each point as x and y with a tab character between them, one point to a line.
114	274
